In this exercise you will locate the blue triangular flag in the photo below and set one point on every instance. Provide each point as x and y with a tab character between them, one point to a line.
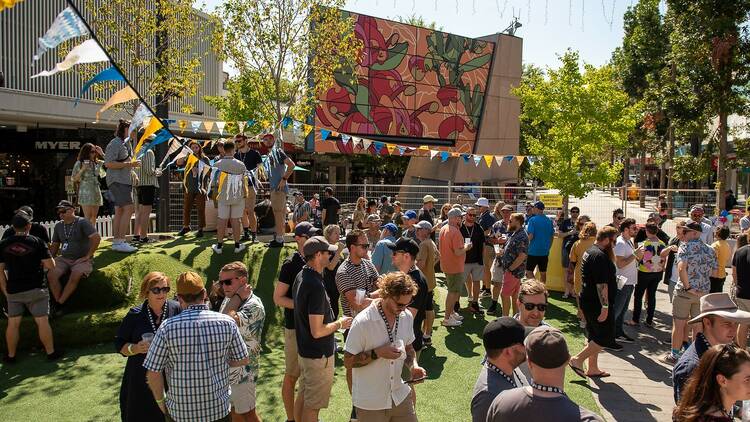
477	159
161	136
108	74
401	150
378	146
250	123
285	122
465	157
444	156
509	158
324	134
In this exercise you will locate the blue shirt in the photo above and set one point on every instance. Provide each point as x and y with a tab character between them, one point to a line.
277	168
382	256
687	364
541	227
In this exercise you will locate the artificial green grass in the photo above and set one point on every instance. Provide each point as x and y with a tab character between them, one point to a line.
84	386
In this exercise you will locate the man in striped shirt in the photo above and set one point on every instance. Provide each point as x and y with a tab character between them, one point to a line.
302	210
145	190
196	349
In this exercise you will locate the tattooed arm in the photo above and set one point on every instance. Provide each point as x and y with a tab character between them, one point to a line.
603	291
368	356
416	371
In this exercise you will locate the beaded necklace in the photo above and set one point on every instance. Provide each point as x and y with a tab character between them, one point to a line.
151	319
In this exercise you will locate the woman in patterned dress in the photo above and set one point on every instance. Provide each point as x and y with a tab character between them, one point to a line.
87	170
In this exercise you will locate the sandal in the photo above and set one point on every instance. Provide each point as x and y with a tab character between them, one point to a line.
577	370
602	374
631	323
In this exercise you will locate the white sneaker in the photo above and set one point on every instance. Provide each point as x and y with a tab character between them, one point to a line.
216	249
450	322
239	248
123	247
455	316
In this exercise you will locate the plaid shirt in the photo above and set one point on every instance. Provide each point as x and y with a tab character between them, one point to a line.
194	348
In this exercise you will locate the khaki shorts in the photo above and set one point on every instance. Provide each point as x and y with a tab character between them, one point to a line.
475	271
35	300
455	283
404	412
488	258
291	358
233	209
497	273
743	304
685	305
316	381
65	266
243	396
250	200
278	201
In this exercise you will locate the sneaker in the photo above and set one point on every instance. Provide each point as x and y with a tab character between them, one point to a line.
183	232
216	249
239	248
275	244
123	247
245	236
614	347
669	359
427	341
57	354
474	308
9	359
625	339
457	317
199	233
253	236
492	309
450	322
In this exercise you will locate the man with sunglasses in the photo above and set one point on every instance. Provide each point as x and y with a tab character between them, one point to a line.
404	258
252	159
707	231
247	311
626	260
473	265
512	264
379	346
76	240
540	231
617	216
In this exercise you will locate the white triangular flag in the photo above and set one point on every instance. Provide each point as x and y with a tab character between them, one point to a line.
433	153
220	126
85	52
195	124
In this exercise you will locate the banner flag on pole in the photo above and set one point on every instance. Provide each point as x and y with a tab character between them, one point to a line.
108	74
153	126
119	97
162	136
67	25
85	52
139	118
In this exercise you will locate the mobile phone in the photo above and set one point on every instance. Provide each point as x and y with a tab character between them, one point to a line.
412	381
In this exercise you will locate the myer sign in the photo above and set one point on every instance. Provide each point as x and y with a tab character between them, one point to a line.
57	145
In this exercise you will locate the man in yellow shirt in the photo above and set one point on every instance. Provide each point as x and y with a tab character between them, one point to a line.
723	254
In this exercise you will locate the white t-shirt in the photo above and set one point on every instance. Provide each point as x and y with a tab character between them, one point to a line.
378	386
624	249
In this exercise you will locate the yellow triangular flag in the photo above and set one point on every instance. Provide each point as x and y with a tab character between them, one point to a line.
307	129
222	177
121	96
153	126
390	148
455	154
519	159
191	161
488	160
182	124
209	125
424	148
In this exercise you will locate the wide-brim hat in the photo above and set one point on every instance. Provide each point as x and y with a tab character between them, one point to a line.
721	305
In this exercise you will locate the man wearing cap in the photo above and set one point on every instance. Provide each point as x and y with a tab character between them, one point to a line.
282	296
426	259
378	349
195	350
486	221
544	399
541	231
719	318
427	213
498	236
452	257
230	198
697	215
473	264
410	218
386	209
314	329
36	229
696	261
25	258
301	211
252	159
281	168
374	230
329	208
504	351
405	260
382	255
76	240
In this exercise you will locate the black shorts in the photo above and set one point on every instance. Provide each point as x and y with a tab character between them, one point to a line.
532	261
146	195
430	301
601	333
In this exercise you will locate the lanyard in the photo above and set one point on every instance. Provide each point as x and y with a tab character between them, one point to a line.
547	388
391	334
151	319
67	232
497	370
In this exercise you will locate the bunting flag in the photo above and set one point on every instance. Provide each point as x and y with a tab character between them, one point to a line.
401	150
465	157
345	139
488	160
424	147
306	129
190	163
433	153
519	159
285	122
390	148
324	134
378	147
509	158
195	125
222	178
366	144
182	124
85	52
153	126
209	125
241	127
220	126
162	136
176	151
477	160
139	118
250	123
67	25
119	97
444	156
108	74
499	160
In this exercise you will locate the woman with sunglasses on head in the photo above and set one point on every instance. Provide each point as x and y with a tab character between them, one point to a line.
133	340
721	379
87	170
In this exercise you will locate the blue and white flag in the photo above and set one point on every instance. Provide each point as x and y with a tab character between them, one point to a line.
108	74
67	25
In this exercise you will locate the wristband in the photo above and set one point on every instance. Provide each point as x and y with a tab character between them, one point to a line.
340	325
605	306
160	401
130	349
373	355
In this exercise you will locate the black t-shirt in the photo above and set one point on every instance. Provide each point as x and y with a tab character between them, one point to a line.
251	158
474	255
641	236
329	278
264	213
310	298
597	268
741	261
332	207
287	274
419	302
36	230
425	215
22	256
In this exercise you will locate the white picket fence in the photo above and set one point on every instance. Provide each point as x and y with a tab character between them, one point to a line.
103	225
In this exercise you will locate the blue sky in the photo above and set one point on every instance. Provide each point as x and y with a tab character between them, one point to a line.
592	27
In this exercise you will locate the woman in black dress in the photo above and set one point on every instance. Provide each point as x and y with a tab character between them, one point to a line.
332	233
136	401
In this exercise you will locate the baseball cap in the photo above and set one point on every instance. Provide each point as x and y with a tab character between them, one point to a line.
503	332
428	198
27	209
482	202
696	208
64	204
390	227
317	244
189	283
305	229
373	217
455	212
546	347
694	226
396	203
268	137
507	207
296	193
405	245
410	215
539	205
424	225
383	198
20	220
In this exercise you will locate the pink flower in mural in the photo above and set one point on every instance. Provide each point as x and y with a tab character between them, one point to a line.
447	94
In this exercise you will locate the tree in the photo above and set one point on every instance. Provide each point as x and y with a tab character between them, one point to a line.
577	119
417	20
711	49
289	49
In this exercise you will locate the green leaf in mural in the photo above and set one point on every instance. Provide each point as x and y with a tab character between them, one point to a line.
476	62
345	81
395	55
362	101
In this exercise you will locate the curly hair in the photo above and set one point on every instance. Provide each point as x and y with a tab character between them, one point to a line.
150	280
396	284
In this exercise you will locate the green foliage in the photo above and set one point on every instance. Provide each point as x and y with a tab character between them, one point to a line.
576	120
419	21
688	167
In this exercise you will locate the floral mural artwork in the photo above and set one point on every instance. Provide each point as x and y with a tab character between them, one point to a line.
410	82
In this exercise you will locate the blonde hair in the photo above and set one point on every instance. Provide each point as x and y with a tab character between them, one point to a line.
236	267
150	280
361	203
329	229
532	287
396	284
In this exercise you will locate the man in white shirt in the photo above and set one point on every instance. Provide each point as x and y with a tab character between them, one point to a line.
379	344
697	214
626	260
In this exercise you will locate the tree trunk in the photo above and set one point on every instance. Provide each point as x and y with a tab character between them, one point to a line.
721	168
625	177
565	203
662	171
670	179
162	111
642	170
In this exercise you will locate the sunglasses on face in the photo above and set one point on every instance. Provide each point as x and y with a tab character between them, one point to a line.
157	290
362	245
471	215
541	307
227	281
619	217
575	212
402	305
